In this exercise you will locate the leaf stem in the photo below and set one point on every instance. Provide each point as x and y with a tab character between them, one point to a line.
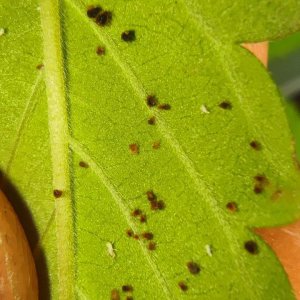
59	136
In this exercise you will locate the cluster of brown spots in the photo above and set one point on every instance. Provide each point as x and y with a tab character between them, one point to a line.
154	203
261	182
156	145
251	247
83	164
152	121
151	246
182	285
57	193
115	295
255	145
128	36
225	105
137	213
100	51
232	206
134	149
100	16
152	101
40	67
193	267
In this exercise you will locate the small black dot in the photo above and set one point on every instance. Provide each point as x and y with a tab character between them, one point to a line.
182	286
57	193
104	18
100	51
193	267
258	189
152	121
151	100
251	247
255	145
83	164
231	206
92	11
128	36
225	105
127	288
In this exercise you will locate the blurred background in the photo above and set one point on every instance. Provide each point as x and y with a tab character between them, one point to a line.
284	65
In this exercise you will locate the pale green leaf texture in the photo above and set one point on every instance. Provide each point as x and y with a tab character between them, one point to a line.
90	108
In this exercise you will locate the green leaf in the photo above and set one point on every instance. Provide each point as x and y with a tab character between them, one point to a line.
68	127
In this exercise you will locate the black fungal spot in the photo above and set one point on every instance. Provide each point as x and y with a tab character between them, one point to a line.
127	288
182	286
258	189
93	11
164	106
83	164
100	51
147	235
251	247
193	267
137	212
57	193
225	105
152	121
151	246
128	36
143	218
255	145
115	295
151	196
232	206
129	233
151	100
134	148
40	67
104	18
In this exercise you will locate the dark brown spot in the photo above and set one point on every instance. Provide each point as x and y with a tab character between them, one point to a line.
260	178
164	106
57	193
136	212
154	205
127	288
93	11
83	164
128	36
129	233
147	235
40	66
255	145
231	206
136	236
104	18
156	145
152	121
251	247
151	100
151	246
193	267
225	105
115	295
258	189
143	218
182	286
100	51
161	205
151	196
134	148
129	298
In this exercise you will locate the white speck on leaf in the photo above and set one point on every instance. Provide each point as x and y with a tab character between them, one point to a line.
208	250
204	109
2	31
110	249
